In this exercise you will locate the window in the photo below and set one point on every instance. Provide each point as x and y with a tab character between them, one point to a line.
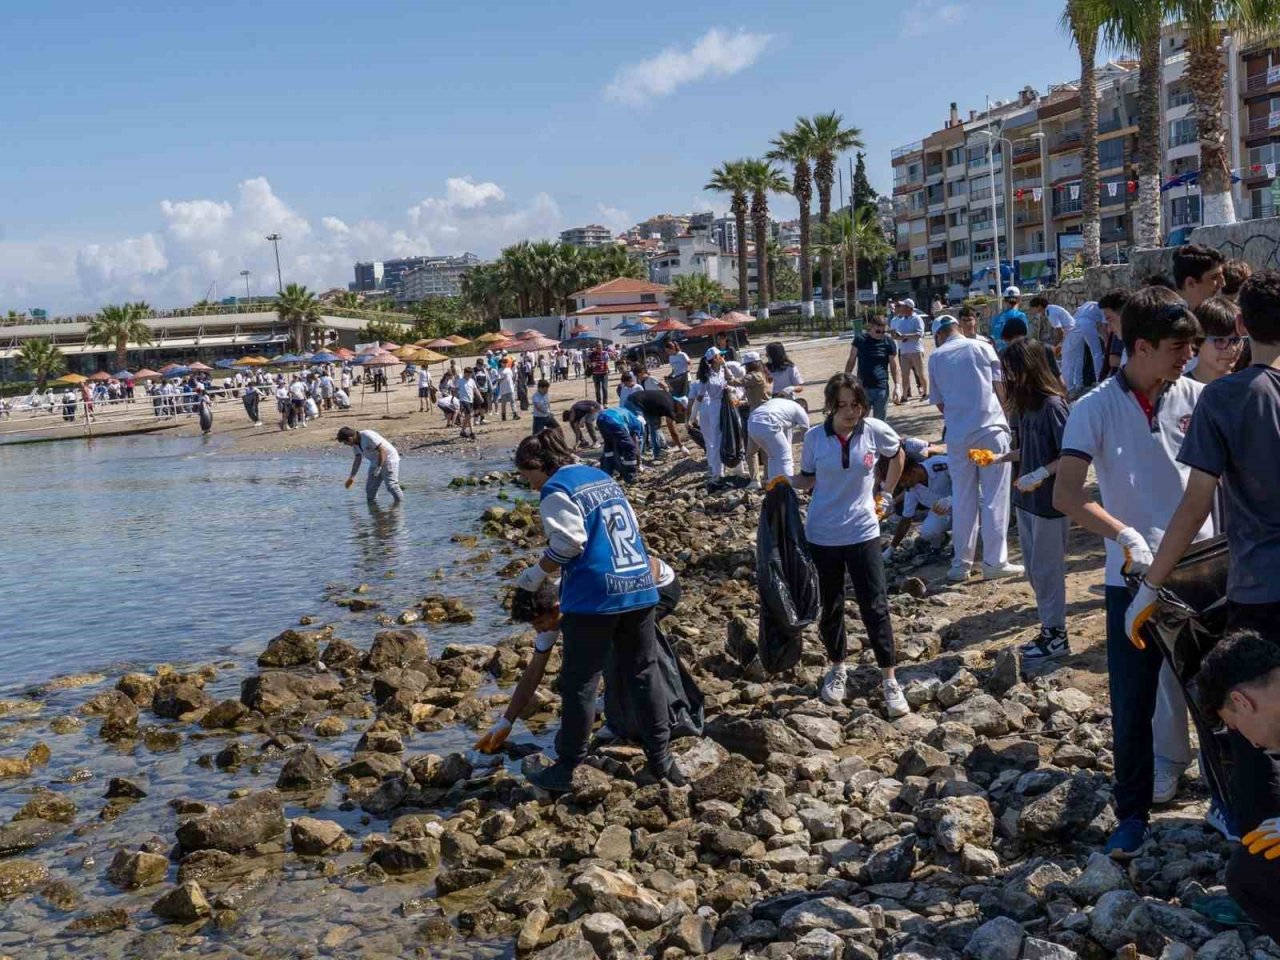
1111	154
956	188
1185	211
1179	94
954	156
1262	203
957	218
1267	153
959	248
1182	132
648	298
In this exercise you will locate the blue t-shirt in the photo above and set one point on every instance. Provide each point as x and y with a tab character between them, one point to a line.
623	419
873	360
998	322
612	573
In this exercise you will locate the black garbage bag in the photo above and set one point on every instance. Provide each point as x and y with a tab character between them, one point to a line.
733	439
684	699
1189	621
206	415
788	580
695	434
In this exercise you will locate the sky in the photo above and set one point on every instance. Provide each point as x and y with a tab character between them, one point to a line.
149	148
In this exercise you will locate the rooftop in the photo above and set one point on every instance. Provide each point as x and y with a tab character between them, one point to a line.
622	285
609	308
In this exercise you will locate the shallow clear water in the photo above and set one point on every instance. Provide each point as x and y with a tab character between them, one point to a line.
144	550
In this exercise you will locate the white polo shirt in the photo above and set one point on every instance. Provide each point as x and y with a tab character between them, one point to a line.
936	486
842	511
679	363
961	377
786	380
1059	317
369	441
912	326
781	414
1134	458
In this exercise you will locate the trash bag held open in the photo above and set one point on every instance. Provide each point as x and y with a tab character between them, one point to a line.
733	440
1190	619
684	699
788	581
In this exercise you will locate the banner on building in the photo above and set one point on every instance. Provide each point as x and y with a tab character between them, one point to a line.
1074	191
1273	75
1273	119
1111	189
1036	194
1271	171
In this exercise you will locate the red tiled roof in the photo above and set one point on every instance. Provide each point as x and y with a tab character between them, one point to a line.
608	308
623	285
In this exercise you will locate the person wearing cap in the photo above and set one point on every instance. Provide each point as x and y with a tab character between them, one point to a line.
908	330
709	394
1012	297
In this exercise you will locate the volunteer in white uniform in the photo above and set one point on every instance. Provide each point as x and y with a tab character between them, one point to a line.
1086	332
771	427
383	458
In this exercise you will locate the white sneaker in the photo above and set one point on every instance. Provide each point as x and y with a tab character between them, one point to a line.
1217	819
895	702
833	686
753	485
959	572
1165	786
1003	570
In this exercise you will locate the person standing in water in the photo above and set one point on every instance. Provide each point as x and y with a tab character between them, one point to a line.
384	462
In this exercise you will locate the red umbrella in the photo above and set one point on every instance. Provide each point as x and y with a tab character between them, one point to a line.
440	344
145	374
665	325
527	334
199	367
737	316
712	327
101	375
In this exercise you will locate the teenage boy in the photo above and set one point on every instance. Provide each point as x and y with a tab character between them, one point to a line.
875	356
1233	442
1012	297
1048	323
542	417
966	384
465	388
1130	429
383	460
1197	273
908	330
1239	683
967	319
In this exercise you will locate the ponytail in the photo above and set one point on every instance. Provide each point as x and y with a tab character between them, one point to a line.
546	450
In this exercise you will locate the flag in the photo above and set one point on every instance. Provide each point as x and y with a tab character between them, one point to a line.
1075	191
1133	186
1036	194
1111	189
1271	171
1019	194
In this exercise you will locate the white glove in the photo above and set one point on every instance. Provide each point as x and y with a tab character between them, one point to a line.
495	736
1031	481
544	641
1137	555
1140	610
531	577
942	507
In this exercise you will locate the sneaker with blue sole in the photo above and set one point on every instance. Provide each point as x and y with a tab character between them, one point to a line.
1126	840
1217	818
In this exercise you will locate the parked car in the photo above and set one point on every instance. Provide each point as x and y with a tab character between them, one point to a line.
654	352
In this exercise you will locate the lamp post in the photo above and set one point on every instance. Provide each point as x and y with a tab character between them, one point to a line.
992	139
275	242
245	274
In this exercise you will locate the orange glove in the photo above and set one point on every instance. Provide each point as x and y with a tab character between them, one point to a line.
983	458
1265	839
495	736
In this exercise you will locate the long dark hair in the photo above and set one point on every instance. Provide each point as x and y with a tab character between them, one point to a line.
704	370
844	381
1027	377
546	450
778	359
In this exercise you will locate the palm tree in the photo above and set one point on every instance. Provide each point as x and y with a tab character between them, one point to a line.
41	359
348	299
692	292
764	178
613	261
795	146
15	317
544	262
297	306
483	288
829	138
1081	19
116	326
1205	22
730	178
854	238
203	306
517	263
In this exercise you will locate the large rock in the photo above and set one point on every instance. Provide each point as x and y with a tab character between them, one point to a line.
731	780
1225	946
400	682
822	732
407	856
1068	807
996	756
981	712
525	884
131	869
305	770
395	648
894	864
1106	922
275	691
47	805
313	838
293	648
119	717
997	939
618	893
756	740
26	835
962	820
824	913
608	936
698	756
173	700
183	904
567	950
21	876
691	933
1101	875
364	766
224	715
238	826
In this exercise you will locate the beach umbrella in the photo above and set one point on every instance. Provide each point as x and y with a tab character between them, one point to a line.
668	325
404	353
737	316
430	356
440	343
712	327
249	362
226	363
539	343
171	366
492	338
199	367
100	376
123	375
528	334
324	356
380	360
145	374
72	378
458	341
505	332
388	345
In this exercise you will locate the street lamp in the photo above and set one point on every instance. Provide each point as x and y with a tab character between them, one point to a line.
245	274
995	224
275	242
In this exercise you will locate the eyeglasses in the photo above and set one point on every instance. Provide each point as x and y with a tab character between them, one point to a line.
1226	343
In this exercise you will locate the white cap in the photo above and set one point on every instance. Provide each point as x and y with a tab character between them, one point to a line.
1012	293
711	353
751	356
908	302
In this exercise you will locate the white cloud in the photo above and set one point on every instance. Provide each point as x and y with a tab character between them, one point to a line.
197	243
715	54
615	218
929	16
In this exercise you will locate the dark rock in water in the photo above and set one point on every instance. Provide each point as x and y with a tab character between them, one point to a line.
756	740
1068	807
893	864
313	838
407	856
380	741
526	883
395	648
104	921
389	794
363	766
275	691
47	805
20	876
26	835
119	717
224	715
172	700
238	826
60	894
293	648
305	770
233	754
132	869
430	770
339	654
459	878
399	680
203	864
138	687
184	904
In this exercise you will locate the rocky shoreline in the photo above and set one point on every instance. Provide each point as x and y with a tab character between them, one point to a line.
968	828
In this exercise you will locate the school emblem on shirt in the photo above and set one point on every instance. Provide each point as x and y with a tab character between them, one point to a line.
1184	423
868	461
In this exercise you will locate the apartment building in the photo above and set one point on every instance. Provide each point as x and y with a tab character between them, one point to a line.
1008	178
592	235
438	277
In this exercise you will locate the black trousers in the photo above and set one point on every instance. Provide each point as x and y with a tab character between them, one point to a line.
865	566
602	388
1255	774
588	640
1254	883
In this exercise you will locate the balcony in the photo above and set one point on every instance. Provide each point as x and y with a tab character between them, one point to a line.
1030	249
1185	218
1067	208
985	256
907	186
960	262
1256	125
1066	141
931	172
1114	235
907	150
1260	81
1022	217
937	236
1112	124
1023	153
